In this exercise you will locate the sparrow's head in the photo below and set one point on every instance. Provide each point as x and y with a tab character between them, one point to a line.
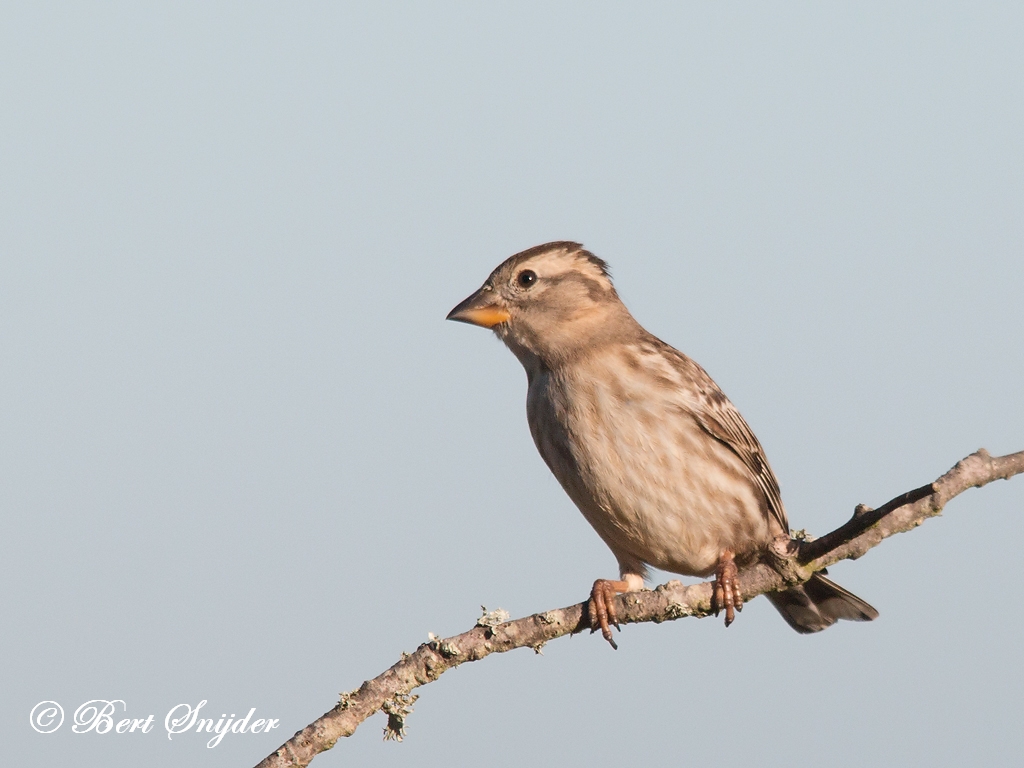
549	302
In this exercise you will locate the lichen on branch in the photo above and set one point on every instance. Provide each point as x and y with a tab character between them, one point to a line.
793	563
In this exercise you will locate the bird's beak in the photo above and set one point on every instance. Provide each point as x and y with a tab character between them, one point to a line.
480	309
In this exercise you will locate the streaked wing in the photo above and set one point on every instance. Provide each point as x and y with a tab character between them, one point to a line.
719	418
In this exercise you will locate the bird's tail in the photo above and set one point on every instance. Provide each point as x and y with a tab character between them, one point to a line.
818	604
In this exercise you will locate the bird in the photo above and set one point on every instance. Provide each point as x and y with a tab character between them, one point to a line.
643	441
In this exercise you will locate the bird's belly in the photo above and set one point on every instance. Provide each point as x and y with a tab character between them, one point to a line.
657	490
684	529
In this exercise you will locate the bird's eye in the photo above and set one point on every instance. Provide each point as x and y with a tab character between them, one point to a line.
526	278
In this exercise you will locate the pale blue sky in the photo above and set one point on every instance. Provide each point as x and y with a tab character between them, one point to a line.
244	459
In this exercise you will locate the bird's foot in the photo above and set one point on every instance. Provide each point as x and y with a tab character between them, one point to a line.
601	607
726	593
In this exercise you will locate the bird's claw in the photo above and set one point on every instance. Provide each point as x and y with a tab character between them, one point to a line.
726	593
601	608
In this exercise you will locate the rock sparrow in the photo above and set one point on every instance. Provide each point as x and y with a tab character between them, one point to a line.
655	456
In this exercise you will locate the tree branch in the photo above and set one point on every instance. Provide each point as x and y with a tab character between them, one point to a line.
793	563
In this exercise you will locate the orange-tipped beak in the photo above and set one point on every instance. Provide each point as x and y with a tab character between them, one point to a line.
479	309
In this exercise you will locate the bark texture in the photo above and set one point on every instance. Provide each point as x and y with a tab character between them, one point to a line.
792	562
